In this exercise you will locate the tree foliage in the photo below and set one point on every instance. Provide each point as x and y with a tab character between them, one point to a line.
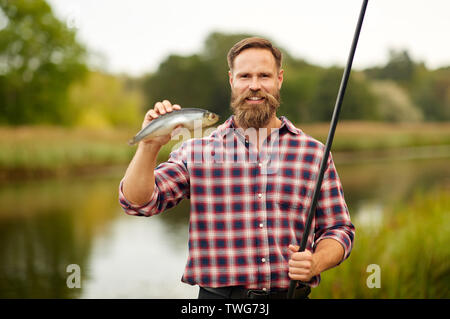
105	101
39	58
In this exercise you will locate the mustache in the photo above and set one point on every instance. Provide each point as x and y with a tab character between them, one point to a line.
241	99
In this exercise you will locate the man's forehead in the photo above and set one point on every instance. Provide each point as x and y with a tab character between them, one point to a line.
254	58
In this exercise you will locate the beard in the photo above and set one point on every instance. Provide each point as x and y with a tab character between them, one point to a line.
254	115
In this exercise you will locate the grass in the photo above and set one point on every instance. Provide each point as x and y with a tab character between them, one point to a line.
37	151
31	151
411	248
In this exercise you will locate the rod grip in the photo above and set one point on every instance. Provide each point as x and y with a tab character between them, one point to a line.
298	290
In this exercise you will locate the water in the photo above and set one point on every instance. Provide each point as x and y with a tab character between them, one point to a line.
47	225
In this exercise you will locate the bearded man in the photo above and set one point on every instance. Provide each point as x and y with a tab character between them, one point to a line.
246	219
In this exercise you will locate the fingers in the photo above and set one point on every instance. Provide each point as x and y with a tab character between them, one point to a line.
302	256
300	264
306	277
300	270
151	115
296	255
166	107
294	248
160	108
306	265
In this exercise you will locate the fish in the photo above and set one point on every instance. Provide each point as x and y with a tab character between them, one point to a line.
166	123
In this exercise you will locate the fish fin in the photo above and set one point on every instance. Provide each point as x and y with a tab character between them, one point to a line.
132	141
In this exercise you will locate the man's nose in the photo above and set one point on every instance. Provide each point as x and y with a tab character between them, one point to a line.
255	85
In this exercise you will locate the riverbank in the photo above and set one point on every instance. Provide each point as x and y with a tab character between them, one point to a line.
35	152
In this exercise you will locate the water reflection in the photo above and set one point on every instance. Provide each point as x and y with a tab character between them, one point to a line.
371	187
47	225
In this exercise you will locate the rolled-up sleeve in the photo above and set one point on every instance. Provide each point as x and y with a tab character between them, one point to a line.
171	186
332	218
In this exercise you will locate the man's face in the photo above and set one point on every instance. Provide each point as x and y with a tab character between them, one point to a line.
255	87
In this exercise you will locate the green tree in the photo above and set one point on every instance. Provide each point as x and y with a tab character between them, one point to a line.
431	92
400	67
39	58
358	103
104	100
297	92
182	80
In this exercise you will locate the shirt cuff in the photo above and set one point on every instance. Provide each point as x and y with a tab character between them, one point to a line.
138	210
314	282
345	243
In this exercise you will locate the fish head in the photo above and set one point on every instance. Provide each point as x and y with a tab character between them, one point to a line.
210	118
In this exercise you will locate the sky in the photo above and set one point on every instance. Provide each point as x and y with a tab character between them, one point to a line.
135	36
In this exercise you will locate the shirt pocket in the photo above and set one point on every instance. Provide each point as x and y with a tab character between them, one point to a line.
291	199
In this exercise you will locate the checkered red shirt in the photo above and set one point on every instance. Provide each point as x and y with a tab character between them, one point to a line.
247	207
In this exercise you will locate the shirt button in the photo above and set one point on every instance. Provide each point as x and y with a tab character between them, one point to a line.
264	289
259	195
259	164
261	225
263	260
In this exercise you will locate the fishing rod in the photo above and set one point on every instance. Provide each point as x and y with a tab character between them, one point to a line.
334	120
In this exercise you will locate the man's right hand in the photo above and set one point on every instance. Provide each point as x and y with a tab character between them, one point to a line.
160	108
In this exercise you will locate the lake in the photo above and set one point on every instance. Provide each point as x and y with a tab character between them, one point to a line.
47	225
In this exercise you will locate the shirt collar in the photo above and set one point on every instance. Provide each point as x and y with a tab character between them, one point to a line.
288	124
285	124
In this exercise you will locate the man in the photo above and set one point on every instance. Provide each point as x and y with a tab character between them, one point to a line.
250	183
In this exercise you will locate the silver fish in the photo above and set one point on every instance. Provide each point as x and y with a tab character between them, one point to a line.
166	123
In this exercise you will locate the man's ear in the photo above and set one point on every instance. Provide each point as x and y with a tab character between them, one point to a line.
230	77
280	78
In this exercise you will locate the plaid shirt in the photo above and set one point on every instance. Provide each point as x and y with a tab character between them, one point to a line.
247	206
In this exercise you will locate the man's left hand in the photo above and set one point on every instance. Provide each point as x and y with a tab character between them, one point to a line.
300	264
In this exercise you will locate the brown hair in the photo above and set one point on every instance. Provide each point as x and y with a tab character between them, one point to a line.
253	42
